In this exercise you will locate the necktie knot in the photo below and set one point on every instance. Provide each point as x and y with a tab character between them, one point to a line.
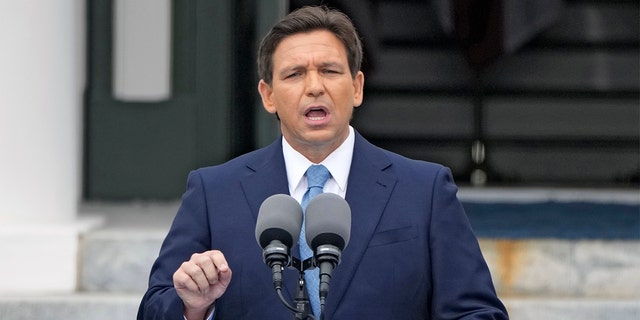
317	176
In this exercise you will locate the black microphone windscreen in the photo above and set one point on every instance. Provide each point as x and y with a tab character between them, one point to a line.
279	218
328	221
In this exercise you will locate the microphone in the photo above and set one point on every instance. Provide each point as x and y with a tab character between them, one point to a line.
328	229
277	230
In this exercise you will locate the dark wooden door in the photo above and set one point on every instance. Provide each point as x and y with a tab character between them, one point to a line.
144	150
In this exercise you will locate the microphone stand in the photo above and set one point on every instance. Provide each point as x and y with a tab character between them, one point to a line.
301	299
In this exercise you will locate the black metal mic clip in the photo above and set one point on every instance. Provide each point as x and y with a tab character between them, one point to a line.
301	299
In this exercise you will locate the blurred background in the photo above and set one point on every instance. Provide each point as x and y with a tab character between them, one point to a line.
108	104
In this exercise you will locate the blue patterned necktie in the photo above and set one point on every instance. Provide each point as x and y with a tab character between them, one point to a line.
317	176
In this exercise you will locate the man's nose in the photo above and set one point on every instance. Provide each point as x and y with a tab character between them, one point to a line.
315	86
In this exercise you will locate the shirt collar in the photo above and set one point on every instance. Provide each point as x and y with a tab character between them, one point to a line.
338	162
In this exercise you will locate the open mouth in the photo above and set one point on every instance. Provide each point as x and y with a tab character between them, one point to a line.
316	114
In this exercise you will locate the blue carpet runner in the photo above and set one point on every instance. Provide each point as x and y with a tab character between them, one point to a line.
561	220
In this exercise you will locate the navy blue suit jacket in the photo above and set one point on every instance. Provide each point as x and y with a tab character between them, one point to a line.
412	254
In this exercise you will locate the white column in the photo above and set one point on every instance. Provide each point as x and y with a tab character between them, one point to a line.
41	83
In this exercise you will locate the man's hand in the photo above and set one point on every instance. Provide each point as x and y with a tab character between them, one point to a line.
200	281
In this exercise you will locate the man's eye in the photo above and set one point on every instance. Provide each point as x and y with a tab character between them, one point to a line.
293	75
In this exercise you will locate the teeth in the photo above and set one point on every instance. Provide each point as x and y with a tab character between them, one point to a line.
316	114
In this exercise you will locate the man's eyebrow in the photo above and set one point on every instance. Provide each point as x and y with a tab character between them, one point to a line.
331	65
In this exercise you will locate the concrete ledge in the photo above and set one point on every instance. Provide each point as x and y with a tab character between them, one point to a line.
41	257
70	307
568	268
118	306
118	260
563	309
532	195
118	257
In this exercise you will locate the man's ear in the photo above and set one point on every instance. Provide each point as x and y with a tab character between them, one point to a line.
266	93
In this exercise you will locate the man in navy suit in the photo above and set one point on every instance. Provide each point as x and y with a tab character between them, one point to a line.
412	253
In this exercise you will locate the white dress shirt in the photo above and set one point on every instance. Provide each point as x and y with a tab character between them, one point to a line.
338	163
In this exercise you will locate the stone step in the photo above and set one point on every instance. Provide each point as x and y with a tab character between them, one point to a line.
93	306
520	267
118	260
537	278
129	240
79	306
571	308
564	268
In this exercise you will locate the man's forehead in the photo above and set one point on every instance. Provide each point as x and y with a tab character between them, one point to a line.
301	45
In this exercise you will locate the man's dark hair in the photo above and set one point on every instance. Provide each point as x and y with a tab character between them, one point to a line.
308	19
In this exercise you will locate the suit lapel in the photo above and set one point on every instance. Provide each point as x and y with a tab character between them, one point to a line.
267	176
368	191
